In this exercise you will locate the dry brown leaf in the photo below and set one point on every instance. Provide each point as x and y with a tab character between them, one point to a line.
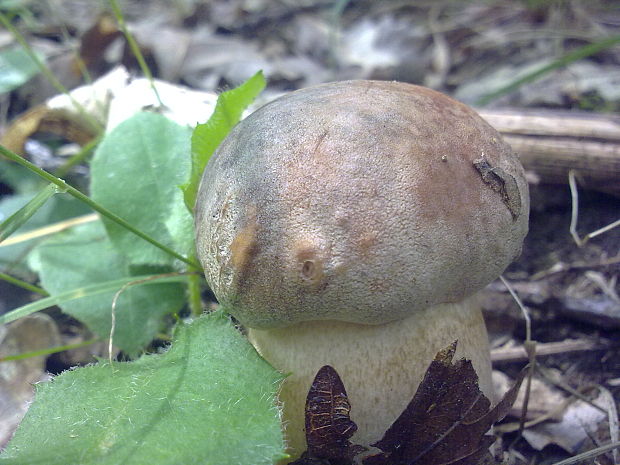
328	425
446	422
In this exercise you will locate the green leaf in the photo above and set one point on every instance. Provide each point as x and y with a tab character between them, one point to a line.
208	400
16	68
84	256
58	208
208	136
17	219
135	173
87	291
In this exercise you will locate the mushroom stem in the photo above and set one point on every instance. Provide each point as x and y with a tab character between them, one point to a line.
381	366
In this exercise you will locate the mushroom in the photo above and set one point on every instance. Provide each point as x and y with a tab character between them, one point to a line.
350	224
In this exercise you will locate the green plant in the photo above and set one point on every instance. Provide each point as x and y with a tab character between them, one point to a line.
209	398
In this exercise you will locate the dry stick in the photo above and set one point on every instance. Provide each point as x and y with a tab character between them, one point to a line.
552	142
519	354
561	267
589	454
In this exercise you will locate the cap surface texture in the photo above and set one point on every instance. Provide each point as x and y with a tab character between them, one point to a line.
359	201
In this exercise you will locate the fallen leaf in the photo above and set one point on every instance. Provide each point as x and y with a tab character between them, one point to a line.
446	422
31	333
328	425
447	419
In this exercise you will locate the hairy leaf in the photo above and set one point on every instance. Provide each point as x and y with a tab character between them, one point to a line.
208	400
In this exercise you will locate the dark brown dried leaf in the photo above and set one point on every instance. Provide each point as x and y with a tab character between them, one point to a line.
328	425
447	420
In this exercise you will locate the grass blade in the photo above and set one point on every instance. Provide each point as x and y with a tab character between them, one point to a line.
81	292
575	55
94	205
17	219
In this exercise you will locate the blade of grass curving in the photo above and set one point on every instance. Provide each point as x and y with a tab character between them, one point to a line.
17	219
208	136
575	55
335	20
47	73
48	351
94	205
135	49
23	284
87	291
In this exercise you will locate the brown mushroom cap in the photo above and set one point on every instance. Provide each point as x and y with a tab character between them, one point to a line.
359	201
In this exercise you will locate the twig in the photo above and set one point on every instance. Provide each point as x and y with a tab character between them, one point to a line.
519	354
589	454
563	267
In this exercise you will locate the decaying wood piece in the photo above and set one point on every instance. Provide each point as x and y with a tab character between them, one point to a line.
550	143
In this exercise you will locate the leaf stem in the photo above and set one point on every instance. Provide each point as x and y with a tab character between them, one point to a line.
193	292
94	205
135	48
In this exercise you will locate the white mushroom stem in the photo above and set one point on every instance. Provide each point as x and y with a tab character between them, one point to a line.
381	366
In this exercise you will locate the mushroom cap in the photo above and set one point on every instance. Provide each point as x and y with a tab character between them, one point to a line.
359	201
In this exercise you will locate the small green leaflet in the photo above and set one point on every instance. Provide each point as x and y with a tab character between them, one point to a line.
208	136
208	400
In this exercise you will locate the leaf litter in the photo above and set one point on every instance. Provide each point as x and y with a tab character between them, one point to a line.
446	422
